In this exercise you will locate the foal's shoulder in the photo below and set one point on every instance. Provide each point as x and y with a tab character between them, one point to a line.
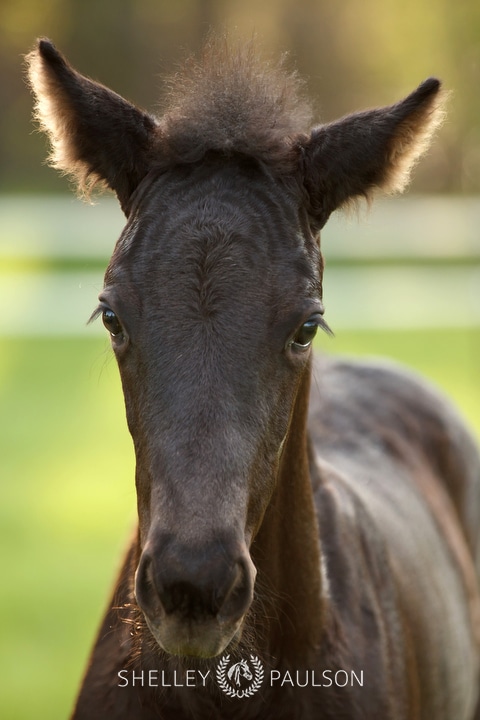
352	396
379	418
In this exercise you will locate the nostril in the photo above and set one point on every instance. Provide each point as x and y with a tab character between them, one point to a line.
145	589
240	593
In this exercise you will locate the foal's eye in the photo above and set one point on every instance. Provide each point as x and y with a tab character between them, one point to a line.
305	334
111	322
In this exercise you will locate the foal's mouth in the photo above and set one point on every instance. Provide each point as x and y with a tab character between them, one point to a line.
194	638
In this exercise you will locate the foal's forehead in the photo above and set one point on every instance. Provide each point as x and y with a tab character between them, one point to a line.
218	220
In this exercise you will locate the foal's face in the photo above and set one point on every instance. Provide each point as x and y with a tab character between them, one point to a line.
212	296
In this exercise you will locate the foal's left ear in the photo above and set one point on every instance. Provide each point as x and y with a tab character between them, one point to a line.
371	150
97	137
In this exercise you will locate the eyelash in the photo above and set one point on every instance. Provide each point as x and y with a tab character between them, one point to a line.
96	314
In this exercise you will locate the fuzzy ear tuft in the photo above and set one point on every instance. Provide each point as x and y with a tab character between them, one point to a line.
96	137
368	151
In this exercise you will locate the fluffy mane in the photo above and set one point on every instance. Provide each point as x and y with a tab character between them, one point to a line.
230	99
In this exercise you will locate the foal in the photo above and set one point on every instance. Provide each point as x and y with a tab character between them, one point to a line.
323	539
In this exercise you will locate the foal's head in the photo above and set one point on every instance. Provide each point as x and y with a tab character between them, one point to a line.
213	296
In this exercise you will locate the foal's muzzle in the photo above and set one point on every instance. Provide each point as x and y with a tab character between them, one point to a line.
194	597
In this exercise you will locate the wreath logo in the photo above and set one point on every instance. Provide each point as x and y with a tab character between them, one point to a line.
240	679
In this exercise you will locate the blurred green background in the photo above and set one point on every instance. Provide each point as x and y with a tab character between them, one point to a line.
403	281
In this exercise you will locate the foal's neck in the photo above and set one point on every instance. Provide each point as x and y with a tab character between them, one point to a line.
286	552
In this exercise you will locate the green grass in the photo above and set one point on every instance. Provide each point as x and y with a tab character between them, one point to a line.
67	504
68	499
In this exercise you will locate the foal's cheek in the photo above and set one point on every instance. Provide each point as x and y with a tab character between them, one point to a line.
144	512
261	487
255	514
136	401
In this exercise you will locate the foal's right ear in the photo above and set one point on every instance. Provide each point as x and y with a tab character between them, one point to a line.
97	137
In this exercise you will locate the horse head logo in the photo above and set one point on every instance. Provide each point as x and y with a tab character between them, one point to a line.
241	679
239	670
